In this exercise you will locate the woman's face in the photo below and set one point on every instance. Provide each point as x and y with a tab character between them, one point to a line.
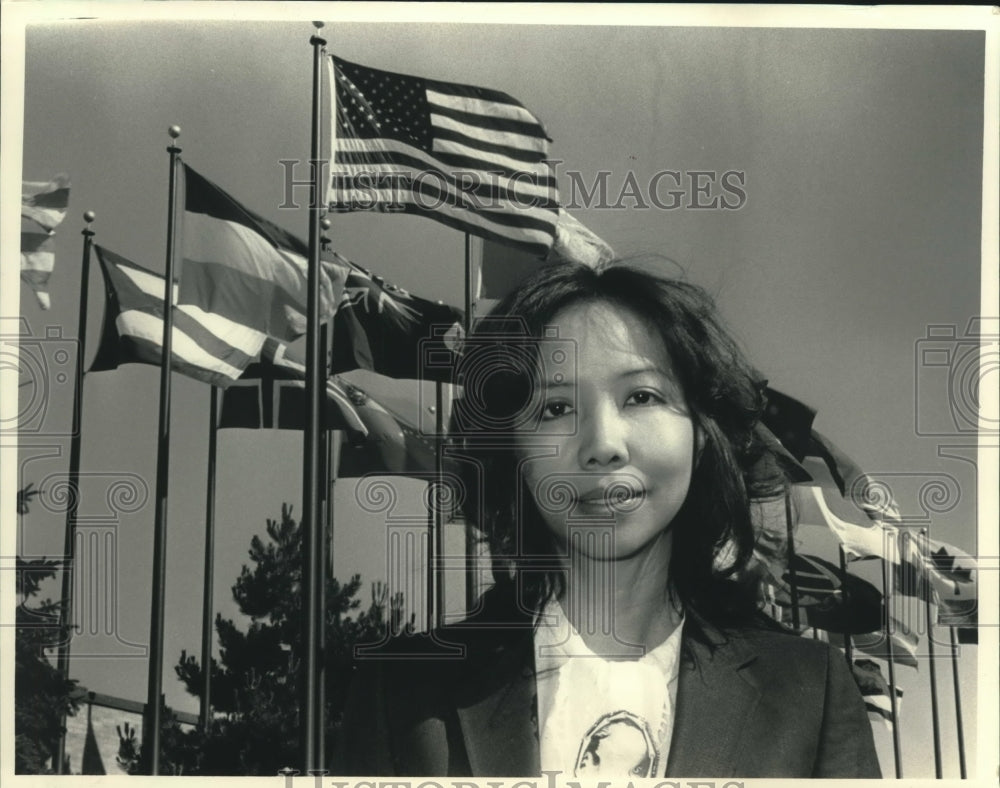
615	445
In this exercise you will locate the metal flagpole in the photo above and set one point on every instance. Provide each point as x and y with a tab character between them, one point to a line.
958	704
320	565
153	711
311	711
330	453
471	547
935	722
846	602
886	600
439	504
206	603
792	580
435	521
72	506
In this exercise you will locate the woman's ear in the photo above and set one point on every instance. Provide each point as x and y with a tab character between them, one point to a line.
699	442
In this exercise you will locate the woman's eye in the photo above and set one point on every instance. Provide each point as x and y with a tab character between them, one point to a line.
553	410
643	398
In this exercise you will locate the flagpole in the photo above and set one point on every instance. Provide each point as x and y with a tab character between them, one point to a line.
73	503
438	505
792	580
847	635
886	600
152	717
958	704
471	590
206	603
935	722
311	713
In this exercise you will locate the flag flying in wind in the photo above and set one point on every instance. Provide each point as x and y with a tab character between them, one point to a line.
471	158
903	636
875	690
503	267
394	445
790	420
860	540
44	205
873	498
244	268
271	395
939	573
204	346
37	262
385	329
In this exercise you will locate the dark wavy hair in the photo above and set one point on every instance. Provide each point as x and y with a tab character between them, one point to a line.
714	532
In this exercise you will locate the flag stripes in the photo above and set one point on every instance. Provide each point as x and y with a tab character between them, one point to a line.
468	157
45	203
38	260
243	267
205	347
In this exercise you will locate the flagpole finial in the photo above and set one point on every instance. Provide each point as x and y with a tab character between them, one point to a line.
89	216
324	223
174	132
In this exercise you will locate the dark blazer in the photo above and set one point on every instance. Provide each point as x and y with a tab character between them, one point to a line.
461	702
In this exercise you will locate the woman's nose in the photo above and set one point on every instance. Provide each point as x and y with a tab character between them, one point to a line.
603	438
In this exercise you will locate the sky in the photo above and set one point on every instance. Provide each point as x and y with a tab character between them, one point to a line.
857	248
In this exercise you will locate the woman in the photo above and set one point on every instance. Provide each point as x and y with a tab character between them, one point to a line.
612	457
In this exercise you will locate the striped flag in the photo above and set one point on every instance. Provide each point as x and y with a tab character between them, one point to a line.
385	329
905	643
271	395
206	347
243	267
471	158
37	261
875	690
45	203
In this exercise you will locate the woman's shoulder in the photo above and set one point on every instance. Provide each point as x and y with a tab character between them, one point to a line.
768	643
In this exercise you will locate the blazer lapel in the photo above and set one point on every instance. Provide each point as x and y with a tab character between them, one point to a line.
499	725
715	698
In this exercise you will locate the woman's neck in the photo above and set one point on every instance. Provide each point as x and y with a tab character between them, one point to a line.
621	606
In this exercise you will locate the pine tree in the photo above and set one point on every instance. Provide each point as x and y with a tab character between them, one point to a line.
41	695
255	683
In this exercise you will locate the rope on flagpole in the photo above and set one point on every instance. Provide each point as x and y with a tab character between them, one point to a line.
73	503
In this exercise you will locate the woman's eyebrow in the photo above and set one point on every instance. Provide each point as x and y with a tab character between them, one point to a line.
628	373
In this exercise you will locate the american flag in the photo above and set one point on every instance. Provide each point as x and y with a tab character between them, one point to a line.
468	157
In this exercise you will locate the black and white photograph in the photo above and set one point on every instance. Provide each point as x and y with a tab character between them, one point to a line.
548	394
